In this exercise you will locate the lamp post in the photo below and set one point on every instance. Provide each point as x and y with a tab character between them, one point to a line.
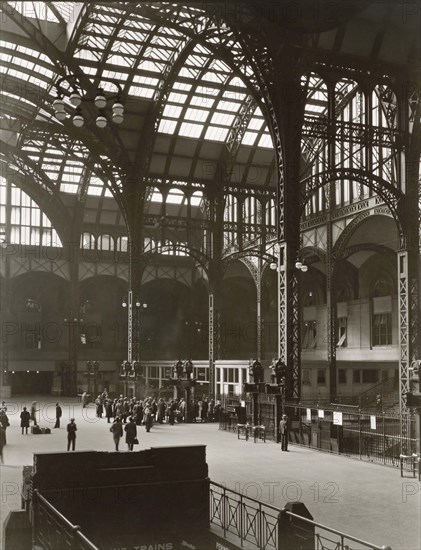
68	87
133	305
92	373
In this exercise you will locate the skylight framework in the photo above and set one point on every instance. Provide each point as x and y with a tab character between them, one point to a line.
28	224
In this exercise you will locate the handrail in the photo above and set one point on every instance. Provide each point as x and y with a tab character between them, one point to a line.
336	532
279	513
75	529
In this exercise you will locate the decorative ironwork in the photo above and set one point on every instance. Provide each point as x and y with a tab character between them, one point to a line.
261	525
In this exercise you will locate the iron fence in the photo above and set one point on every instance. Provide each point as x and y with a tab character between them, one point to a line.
247	519
53	531
376	437
255	524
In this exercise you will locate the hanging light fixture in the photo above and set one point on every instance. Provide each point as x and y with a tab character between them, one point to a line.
298	264
58	105
118	112
273	265
100	100
75	98
78	119
101	121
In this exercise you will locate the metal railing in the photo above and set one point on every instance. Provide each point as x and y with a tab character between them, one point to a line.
54	531
374	437
245	518
253	523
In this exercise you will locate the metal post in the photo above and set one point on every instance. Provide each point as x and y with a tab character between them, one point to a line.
129	328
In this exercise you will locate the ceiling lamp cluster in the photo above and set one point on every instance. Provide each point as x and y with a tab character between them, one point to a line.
76	99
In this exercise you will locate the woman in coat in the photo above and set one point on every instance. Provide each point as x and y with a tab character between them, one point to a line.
131	433
117	431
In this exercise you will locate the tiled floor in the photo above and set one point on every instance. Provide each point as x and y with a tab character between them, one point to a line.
369	501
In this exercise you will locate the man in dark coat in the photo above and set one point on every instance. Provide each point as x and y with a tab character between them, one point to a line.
131	433
59	413
24	420
71	434
283	431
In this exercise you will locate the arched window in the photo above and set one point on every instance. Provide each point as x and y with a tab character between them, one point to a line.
105	242
87	241
122	243
381	326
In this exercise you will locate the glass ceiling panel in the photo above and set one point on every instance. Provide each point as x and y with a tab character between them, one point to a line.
35	10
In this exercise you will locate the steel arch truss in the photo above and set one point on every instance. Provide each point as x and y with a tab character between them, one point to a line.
392	196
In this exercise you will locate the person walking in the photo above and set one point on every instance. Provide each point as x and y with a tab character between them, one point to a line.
161	410
147	418
131	433
117	430
71	434
284	432
24	420
2	442
108	410
59	413
34	411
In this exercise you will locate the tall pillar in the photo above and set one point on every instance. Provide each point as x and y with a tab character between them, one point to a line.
408	258
331	272
259	350
215	197
289	100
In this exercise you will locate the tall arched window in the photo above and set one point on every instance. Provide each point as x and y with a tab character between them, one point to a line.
105	242
87	241
382	290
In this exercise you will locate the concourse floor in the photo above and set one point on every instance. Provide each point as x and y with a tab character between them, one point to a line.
369	501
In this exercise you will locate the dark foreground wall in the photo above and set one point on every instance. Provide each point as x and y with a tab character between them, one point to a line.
157	497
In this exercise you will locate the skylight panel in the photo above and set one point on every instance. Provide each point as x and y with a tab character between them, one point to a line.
115	59
139	91
182	86
216	133
255	124
229	106
69	188
35	10
222	119
207	90
266	141
107	192
249	138
87	55
93	190
176	97
151	66
172	111
188	72
214	77
190	130
202	101
237	82
114	75
198	115
147	81
167	126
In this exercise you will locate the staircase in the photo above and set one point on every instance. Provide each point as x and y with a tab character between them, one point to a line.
383	397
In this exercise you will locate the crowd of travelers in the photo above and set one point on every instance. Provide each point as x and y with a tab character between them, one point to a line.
151	409
123	413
